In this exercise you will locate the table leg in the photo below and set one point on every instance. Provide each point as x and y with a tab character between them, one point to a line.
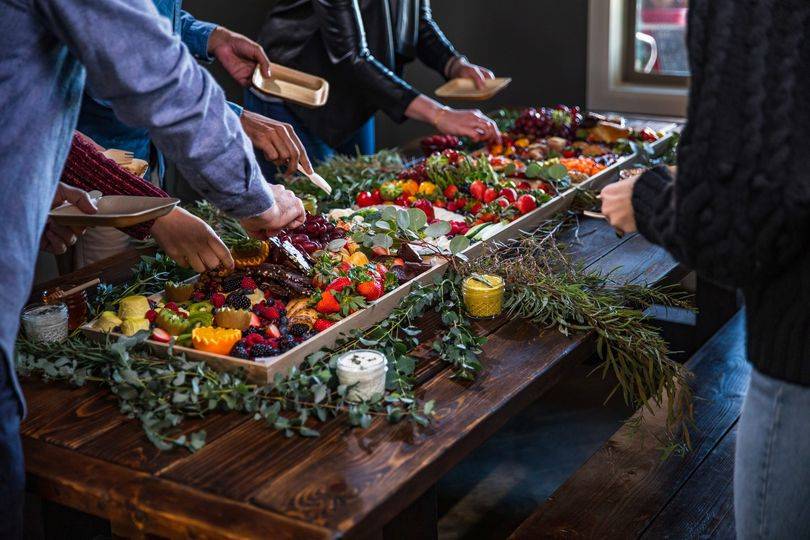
419	520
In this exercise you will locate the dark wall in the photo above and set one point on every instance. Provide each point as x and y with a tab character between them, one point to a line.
541	44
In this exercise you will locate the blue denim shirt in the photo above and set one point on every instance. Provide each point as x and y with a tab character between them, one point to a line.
96	118
129	55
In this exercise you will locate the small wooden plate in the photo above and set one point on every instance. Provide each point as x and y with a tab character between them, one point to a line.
115	211
292	85
464	89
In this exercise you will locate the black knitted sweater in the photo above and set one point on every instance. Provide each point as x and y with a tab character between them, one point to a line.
739	210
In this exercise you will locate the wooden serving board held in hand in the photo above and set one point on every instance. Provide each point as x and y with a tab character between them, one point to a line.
465	90
115	211
292	85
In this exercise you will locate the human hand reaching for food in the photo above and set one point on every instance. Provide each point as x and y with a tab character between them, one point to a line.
276	140
470	123
55	238
190	241
460	67
287	212
617	204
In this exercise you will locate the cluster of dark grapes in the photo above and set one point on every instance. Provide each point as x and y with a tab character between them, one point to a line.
417	173
438	143
562	121
313	235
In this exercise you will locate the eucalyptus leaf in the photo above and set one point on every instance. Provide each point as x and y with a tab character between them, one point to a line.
383	241
403	219
437	229
459	243
418	219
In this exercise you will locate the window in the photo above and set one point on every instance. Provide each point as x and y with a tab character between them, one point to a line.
637	58
655	42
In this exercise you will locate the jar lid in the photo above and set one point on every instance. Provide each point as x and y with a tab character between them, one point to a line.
483	282
361	360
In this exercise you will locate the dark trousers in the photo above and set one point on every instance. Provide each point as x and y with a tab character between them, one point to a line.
12	471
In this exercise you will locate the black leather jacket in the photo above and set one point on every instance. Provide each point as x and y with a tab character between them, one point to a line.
360	49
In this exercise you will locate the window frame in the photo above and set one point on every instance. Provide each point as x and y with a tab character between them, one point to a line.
611	54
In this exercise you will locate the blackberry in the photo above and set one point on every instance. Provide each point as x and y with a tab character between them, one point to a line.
262	350
283	320
240	350
298	330
232	282
252	330
238	301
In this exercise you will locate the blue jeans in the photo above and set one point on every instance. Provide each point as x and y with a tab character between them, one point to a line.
318	151
772	464
12	472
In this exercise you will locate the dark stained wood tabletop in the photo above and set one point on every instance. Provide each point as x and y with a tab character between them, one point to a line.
250	481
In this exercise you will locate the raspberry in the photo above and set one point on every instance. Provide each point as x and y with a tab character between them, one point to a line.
238	301
218	300
262	351
151	315
248	283
171	306
267	294
254	339
198	296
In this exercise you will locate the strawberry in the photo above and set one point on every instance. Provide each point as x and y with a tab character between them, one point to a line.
526	203
254	320
273	331
509	194
461	202
370	290
339	284
248	283
490	195
158	334
151	315
321	325
502	202
450	191
381	269
218	300
524	186
327	304
452	206
476	208
477	190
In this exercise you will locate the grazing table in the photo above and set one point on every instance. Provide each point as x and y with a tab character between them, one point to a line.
250	481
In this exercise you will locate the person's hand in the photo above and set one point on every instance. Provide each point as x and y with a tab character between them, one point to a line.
276	140
287	212
617	205
57	239
237	54
190	241
467	123
462	68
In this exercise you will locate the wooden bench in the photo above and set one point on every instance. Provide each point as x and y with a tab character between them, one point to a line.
626	489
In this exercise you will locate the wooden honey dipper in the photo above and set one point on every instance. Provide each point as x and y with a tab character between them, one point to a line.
57	295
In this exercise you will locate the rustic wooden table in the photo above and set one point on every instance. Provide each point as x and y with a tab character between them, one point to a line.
250	481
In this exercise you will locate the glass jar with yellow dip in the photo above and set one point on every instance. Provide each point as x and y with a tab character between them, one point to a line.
483	295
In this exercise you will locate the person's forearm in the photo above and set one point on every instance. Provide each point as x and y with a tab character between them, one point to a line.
424	109
174	98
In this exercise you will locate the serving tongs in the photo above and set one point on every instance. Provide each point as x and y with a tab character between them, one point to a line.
316	179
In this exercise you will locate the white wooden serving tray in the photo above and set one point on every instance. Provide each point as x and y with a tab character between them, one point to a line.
261	373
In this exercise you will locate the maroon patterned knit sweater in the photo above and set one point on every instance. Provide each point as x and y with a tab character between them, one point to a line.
88	169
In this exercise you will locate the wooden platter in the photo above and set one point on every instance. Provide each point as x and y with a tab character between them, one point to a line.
292	85
464	89
115	211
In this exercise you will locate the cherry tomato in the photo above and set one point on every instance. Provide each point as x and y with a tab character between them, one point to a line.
364	199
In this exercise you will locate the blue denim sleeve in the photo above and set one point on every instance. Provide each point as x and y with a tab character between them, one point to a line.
195	35
153	82
237	109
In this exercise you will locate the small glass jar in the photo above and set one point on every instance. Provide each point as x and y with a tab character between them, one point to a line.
45	322
483	296
76	304
364	370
